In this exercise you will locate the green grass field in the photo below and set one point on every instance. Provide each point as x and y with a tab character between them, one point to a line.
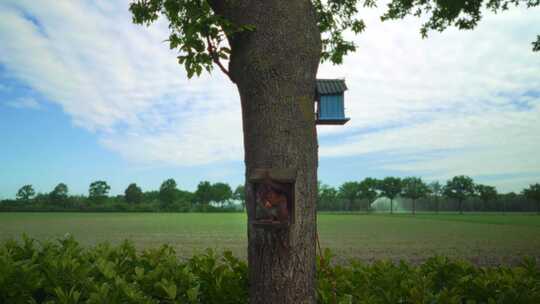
486	239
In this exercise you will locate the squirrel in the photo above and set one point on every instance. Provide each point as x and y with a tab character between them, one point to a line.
273	196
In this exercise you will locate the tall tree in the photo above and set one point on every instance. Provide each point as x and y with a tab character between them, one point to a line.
486	194
59	195
240	195
221	193
368	190
533	193
133	194
459	188
436	191
98	191
203	194
327	198
167	193
184	200
350	192
25	193
414	188
390	187
274	48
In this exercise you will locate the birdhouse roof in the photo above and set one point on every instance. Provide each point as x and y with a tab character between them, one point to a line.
330	86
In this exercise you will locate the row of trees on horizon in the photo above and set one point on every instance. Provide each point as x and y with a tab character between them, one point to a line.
208	197
458	194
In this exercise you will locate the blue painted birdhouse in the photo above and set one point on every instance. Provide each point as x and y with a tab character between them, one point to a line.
330	102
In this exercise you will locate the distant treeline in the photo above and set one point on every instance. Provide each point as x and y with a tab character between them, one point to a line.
458	194
389	194
209	197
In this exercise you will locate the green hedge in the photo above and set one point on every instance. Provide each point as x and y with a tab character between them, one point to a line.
111	205
64	272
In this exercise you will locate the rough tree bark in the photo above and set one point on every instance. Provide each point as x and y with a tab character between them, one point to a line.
275	68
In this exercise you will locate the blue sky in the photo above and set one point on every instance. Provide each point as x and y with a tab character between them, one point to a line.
86	95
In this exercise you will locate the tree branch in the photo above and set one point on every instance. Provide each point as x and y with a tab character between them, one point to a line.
215	58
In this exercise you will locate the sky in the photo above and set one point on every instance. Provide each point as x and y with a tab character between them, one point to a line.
87	95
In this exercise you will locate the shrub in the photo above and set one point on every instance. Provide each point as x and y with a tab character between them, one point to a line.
438	280
64	272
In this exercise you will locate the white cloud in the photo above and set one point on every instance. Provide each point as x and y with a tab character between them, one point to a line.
119	80
453	92
24	103
191	140
490	143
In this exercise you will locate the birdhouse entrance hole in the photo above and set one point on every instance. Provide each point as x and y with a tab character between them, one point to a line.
273	199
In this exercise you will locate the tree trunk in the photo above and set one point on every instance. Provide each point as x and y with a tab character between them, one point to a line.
460	207
275	68
391	206
437	205
413	207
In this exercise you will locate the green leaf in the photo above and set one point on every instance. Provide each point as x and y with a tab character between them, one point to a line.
193	294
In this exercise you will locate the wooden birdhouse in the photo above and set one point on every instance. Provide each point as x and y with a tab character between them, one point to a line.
330	107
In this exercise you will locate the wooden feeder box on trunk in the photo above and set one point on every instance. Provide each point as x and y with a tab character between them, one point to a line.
274	197
330	102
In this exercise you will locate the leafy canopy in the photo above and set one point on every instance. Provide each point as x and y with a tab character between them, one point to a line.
133	194
368	188
61	191
221	192
533	192
25	192
98	190
435	188
200	35
390	187
462	14
239	194
59	194
485	192
459	188
167	191
195	30
327	194
204	192
350	191
414	188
